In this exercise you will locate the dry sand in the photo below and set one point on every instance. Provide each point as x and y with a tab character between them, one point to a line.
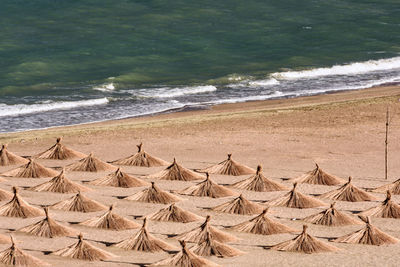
343	132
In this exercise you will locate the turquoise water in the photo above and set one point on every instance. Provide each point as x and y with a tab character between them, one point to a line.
89	56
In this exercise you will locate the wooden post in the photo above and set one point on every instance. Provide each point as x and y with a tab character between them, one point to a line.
386	143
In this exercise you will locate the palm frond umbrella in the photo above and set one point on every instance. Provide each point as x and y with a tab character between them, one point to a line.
60	152
111	221
154	194
60	184
304	243
210	247
208	188
318	176
331	217
369	235
173	213
8	158
18	207
79	203
4	195
348	192
31	170
387	209
239	205
141	159
295	199
144	241
259	183
262	225
90	164
394	188
229	167
17	257
48	228
176	172
119	179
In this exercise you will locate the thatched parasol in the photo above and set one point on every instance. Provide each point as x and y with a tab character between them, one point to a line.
210	247
18	207
208	188
318	176
119	179
176	172
394	188
239	205
348	192
199	234
31	170
154	194
369	235
16	257
259	183
141	159
90	164
144	241
111	221
262	225
83	250
172	213
387	209
59	151
295	199
59	184
229	167
79	203
185	258
304	243
7	158
331	217
48	228
4	195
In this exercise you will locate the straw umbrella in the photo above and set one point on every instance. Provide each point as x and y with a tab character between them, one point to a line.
331	217
229	167
172	213
208	188
111	221
144	241
48	228
4	195
119	179
59	184
185	258
318	176
154	194
60	152
295	199
17	257
394	188
176	172
83	250
262	225
7	158
239	205
79	203
18	207
90	164
141	159
387	209
369	235
31	170
259	183
210	247
304	243
348	192
199	234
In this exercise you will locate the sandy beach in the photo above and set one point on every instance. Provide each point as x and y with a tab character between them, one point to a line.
343	132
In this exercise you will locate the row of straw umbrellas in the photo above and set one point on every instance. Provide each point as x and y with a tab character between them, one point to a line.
208	240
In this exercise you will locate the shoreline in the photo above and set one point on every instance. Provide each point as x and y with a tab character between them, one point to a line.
225	109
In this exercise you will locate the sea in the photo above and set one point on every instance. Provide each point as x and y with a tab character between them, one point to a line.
79	61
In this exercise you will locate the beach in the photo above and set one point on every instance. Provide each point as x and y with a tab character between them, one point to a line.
343	132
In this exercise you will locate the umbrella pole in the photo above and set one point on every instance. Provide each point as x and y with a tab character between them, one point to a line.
386	144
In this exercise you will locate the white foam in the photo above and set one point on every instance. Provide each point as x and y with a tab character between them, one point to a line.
168	92
349	69
267	82
21	109
276	94
107	87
